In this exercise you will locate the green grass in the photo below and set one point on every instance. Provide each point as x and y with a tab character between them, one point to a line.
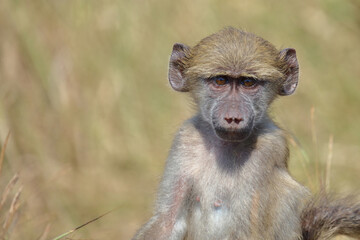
84	92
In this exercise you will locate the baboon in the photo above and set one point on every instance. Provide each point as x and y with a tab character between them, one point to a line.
226	176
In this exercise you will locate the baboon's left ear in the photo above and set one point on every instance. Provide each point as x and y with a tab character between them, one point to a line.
291	71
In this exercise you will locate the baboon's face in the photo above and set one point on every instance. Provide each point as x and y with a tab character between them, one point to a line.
233	106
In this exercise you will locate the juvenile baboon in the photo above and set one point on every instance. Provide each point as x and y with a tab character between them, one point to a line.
226	176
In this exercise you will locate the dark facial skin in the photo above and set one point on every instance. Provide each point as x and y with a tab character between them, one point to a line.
231	105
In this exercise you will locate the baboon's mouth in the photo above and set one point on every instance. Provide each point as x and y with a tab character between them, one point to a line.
232	134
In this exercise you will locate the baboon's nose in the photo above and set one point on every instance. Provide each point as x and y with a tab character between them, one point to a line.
235	120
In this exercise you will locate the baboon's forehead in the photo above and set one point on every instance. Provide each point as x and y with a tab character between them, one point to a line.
234	52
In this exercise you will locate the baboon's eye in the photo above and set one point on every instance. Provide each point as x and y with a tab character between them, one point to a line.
220	80
248	82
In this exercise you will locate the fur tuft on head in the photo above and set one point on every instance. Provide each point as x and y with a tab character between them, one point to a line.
235	53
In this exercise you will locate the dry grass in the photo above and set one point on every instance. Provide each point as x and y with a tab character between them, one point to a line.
84	92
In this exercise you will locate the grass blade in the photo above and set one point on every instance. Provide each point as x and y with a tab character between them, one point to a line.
82	225
2	154
7	189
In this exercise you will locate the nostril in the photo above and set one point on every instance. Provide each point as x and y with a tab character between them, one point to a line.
237	120
229	120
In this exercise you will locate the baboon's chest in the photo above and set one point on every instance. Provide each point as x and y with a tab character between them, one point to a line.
222	205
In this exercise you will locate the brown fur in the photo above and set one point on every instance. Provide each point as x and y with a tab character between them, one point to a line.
233	52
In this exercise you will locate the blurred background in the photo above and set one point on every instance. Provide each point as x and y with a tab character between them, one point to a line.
85	95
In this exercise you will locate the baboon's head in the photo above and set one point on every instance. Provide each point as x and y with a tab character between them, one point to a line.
233	76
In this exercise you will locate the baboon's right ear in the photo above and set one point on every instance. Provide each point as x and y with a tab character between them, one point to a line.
177	68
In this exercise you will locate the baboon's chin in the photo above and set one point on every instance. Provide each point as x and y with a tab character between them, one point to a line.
228	135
